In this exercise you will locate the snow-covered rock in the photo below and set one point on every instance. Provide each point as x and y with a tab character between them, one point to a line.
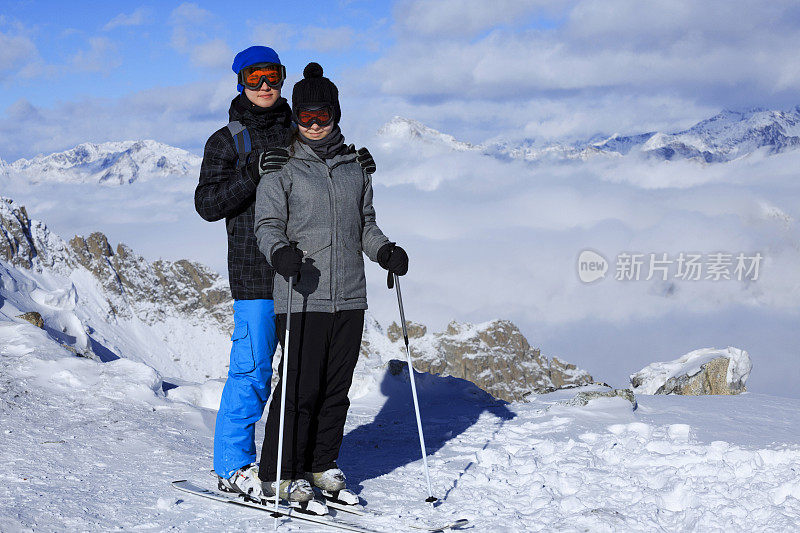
110	163
584	397
703	371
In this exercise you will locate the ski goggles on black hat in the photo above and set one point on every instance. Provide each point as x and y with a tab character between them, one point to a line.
253	76
308	115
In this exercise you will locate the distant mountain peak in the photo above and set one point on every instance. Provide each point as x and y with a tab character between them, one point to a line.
400	129
112	163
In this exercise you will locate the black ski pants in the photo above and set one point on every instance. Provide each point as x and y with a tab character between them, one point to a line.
323	351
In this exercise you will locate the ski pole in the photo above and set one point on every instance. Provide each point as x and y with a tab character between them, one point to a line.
394	280
284	379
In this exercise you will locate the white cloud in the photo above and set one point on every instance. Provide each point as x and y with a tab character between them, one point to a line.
101	56
465	18
321	39
277	36
480	220
190	13
182	116
213	54
318	39
196	33
16	50
138	17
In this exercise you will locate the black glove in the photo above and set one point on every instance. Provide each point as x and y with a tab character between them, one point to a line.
262	162
393	258
364	159
287	261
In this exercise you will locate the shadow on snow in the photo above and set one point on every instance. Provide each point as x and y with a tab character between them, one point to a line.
448	406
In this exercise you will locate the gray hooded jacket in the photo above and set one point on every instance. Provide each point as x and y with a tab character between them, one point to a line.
326	206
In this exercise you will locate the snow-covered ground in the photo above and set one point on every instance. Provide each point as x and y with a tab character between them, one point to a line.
90	446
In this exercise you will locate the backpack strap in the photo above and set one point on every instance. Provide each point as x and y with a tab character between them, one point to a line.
241	138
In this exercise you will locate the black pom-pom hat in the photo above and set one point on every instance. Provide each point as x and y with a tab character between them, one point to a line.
315	89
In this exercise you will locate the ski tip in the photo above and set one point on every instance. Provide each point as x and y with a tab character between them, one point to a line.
457	525
179	481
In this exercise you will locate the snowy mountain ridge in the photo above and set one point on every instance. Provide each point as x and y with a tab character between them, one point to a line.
109	163
724	137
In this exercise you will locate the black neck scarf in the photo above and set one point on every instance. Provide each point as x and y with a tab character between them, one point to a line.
329	146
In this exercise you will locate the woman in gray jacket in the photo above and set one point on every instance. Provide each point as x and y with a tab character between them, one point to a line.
321	198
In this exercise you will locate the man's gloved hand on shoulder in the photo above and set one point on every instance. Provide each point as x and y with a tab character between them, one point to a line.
264	161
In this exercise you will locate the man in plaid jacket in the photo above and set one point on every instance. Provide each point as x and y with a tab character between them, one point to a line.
227	191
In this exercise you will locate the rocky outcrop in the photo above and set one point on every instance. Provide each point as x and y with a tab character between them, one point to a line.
16	244
704	371
34	318
494	355
414	330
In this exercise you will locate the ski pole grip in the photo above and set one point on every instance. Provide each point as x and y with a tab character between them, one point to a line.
295	279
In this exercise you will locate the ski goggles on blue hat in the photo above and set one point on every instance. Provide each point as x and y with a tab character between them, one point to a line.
253	76
309	114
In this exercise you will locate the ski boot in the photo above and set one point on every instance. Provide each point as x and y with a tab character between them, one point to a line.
332	484
299	494
245	482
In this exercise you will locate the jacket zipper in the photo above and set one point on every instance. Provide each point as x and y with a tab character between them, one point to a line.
334	239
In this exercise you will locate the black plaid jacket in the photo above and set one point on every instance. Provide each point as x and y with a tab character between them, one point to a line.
227	190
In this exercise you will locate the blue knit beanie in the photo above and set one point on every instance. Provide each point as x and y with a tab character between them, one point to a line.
252	56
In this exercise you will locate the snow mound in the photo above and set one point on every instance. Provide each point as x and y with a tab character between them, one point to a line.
206	395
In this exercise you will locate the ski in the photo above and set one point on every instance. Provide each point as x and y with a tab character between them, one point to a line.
333	502
290	512
359	510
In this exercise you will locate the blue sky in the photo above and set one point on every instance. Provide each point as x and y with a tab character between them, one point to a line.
109	49
517	69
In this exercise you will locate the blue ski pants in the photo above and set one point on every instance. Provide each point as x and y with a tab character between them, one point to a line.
247	388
